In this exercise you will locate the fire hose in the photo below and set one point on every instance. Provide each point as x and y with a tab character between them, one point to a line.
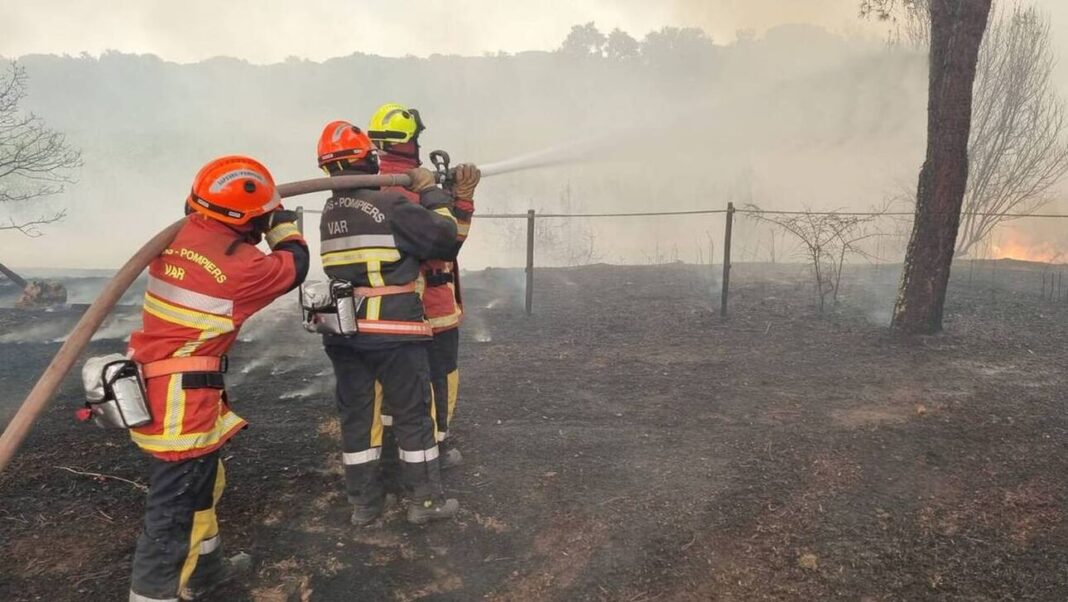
83	331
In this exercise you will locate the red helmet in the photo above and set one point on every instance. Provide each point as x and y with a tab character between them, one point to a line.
342	141
234	189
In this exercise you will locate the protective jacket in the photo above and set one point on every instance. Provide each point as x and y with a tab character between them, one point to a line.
376	241
200	291
439	280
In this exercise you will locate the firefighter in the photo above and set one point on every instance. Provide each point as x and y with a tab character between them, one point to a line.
200	291
395	130
374	241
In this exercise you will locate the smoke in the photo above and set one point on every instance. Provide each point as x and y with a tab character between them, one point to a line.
33	333
793	117
723	19
318	388
116	327
54	327
280	343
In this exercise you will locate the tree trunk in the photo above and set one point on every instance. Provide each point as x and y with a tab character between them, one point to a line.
957	28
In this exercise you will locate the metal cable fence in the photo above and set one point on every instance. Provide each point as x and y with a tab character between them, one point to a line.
531	216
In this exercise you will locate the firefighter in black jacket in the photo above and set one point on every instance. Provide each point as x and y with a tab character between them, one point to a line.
375	241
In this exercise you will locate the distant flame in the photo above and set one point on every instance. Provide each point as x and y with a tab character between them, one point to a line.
1013	246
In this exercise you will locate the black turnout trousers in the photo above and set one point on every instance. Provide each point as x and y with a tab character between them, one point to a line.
403	373
180	539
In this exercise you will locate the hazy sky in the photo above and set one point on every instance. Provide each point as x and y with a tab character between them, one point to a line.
264	31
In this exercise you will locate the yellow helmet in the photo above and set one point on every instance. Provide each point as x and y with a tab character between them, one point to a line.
394	124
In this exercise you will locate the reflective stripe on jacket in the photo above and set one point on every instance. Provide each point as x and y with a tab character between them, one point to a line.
196	300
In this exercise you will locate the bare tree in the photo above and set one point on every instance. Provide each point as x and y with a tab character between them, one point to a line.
1018	149
35	161
828	240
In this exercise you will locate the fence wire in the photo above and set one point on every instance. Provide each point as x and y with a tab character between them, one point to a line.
531	216
751	212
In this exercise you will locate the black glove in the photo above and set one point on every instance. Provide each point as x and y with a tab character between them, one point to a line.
262	224
281	225
281	216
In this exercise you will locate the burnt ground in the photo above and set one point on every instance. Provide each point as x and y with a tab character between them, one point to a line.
624	443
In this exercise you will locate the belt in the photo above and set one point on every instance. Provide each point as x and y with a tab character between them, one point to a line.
203	380
383	291
439	278
184	365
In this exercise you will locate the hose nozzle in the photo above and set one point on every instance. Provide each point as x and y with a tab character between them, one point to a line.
443	173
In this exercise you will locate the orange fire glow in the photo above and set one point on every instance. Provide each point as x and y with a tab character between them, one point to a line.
1015	247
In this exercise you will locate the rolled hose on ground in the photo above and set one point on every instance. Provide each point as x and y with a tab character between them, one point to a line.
83	331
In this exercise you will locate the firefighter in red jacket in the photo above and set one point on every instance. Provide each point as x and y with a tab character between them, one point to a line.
200	291
395	130
372	244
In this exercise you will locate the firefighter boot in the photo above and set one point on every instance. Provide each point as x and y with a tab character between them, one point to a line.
420	513
366	514
216	575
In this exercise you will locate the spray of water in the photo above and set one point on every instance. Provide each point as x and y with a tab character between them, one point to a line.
618	141
573	152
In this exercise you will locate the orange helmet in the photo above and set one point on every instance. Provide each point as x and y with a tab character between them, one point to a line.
234	189
346	145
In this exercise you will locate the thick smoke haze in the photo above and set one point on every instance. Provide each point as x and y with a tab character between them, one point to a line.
268	31
823	115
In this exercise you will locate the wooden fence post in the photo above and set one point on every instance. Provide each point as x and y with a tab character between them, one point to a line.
727	259
530	261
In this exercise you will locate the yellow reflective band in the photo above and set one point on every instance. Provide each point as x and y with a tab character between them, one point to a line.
374	273
454	392
175	414
443	321
374	276
190	347
447	212
172	293
187	317
374	308
463	229
164	443
360	256
204	536
378	421
434	411
281	232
